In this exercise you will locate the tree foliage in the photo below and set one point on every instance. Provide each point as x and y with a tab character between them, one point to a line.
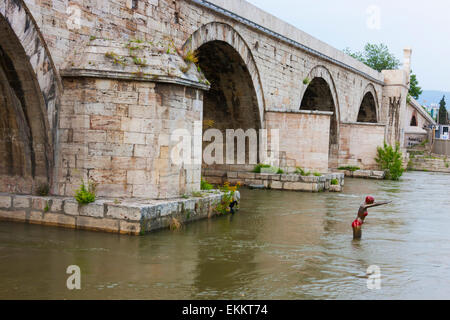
443	116
376	56
390	160
414	89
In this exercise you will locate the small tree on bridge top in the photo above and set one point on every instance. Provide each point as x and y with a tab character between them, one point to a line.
376	56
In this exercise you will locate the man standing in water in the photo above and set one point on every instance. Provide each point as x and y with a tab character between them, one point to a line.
362	214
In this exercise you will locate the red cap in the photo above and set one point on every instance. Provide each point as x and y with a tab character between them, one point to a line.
370	200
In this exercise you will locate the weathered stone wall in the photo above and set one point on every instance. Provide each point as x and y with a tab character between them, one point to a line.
117	133
435	163
394	102
281	68
303	137
359	142
29	88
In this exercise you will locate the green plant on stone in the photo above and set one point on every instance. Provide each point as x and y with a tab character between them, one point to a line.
47	208
85	194
260	166
302	172
306	81
334	182
197	194
349	168
190	57
139	62
317	174
222	207
390	160
204	185
280	171
423	143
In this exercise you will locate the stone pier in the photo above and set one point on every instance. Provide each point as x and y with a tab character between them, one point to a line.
130	216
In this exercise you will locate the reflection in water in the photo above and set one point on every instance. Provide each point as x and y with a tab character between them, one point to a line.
281	245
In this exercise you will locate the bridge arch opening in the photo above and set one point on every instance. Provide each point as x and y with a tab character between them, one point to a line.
368	109
231	103
236	99
319	97
25	137
413	122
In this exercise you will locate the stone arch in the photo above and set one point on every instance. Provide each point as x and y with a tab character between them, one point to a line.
222	32
368	108
413	122
320	94
235	99
30	88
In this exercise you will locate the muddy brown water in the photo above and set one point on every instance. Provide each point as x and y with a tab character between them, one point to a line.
281	245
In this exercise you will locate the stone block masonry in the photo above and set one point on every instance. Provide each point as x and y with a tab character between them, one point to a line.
365	174
290	182
129	217
304	138
433	163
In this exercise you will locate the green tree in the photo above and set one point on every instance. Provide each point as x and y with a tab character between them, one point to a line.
376	56
390	160
443	116
414	89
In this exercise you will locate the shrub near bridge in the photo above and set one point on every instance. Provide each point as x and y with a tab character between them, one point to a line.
390	160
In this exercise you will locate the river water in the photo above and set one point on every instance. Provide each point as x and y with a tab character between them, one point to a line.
281	245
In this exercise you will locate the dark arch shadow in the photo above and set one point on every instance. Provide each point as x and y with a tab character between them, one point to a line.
413	122
368	110
231	102
26	153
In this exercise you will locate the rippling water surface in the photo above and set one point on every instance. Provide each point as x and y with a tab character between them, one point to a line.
281	245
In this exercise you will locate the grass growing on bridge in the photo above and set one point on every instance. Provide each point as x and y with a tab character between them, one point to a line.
302	172
349	168
85	194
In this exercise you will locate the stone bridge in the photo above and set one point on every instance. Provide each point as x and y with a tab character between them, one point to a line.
94	89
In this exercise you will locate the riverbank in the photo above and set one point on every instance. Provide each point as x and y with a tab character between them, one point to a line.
130	216
429	163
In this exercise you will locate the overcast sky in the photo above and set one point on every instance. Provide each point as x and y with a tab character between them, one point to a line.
422	25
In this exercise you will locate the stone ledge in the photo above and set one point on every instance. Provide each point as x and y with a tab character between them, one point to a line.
130	217
365	174
291	182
